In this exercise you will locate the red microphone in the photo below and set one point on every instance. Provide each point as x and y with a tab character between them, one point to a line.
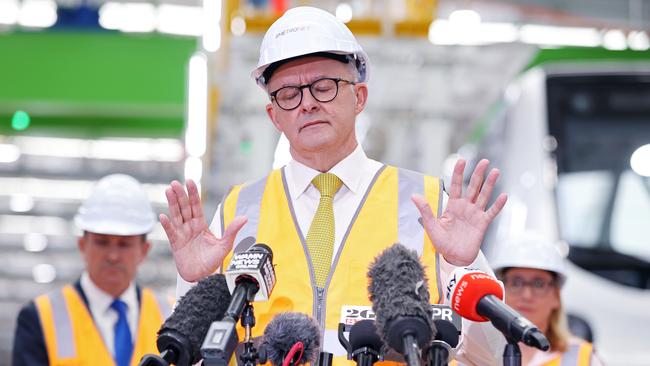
477	296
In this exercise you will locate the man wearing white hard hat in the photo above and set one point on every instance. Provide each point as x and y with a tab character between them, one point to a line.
104	318
331	209
533	271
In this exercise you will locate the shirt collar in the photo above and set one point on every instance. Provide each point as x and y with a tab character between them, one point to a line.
299	176
98	300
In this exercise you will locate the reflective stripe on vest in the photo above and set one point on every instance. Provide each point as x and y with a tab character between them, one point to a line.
577	355
164	306
410	230
65	347
250	198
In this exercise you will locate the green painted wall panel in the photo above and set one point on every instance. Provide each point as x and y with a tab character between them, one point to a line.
74	79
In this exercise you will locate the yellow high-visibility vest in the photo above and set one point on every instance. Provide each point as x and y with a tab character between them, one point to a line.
72	339
386	215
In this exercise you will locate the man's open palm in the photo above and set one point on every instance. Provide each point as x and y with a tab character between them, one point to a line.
458	233
197	251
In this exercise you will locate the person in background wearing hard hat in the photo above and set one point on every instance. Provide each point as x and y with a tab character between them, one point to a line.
331	210
104	318
533	271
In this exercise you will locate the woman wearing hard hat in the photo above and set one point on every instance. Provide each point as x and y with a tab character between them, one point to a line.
533	272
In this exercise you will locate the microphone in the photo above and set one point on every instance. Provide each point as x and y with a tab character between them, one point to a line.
250	277
284	333
181	334
478	296
253	266
365	343
400	299
441	349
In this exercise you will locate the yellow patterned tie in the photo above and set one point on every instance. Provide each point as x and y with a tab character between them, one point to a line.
320	238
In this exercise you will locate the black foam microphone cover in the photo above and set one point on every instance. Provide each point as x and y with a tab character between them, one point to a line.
400	297
446	331
284	331
203	304
364	334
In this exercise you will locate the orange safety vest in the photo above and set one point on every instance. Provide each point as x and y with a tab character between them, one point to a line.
386	215
71	337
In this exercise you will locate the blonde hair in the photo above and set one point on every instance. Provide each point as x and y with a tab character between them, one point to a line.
558	330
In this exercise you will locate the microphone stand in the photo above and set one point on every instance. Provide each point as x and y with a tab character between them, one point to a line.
438	353
250	356
411	351
511	354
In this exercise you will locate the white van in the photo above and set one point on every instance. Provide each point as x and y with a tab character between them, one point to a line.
573	146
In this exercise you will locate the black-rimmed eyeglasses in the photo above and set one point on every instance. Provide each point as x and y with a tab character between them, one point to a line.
323	90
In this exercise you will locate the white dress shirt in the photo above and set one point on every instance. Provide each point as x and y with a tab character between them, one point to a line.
357	171
105	318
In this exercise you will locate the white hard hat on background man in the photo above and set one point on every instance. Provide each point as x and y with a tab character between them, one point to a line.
118	205
531	251
306	30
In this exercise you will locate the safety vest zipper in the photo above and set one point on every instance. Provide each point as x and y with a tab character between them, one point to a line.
320	292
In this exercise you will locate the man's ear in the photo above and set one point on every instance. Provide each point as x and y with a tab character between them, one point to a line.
271	113
81	244
146	246
361	92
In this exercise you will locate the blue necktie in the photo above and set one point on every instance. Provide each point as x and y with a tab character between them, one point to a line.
123	341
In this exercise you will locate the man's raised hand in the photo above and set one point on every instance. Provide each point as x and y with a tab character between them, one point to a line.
197	251
458	233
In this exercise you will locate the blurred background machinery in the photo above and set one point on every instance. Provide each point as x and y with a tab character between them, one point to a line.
161	90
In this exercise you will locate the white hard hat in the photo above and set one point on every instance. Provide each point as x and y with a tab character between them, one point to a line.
307	30
117	206
531	251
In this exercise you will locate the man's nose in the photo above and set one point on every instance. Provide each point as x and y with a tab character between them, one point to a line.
113	254
308	102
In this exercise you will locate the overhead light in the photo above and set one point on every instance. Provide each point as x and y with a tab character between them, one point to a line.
9	153
63	189
44	273
128	17
34	242
614	39
130	149
21	203
37	13
638	41
559	36
497	33
445	32
238	25
211	25
465	18
23	224
9	11
179	19
344	12
110	15
197	106
640	161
